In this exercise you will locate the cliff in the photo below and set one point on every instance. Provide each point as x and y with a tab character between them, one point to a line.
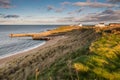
84	54
25	66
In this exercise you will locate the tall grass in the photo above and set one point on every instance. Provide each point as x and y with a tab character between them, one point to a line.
99	61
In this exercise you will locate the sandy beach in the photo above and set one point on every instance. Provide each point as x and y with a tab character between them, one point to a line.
53	34
4	61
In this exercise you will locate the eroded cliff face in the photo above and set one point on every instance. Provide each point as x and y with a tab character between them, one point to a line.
98	61
25	66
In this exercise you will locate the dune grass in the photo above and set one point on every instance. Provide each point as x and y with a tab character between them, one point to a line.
99	61
46	33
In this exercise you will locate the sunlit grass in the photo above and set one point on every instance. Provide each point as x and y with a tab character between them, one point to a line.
64	29
99	61
80	67
46	33
108	48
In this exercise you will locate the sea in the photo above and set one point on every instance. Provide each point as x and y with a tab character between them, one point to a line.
10	46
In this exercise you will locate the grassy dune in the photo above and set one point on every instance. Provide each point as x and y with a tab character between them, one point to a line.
99	61
84	55
24	67
46	33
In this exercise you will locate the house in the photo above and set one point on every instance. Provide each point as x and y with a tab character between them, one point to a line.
100	25
80	25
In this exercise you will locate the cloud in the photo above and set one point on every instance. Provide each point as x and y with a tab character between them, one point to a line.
30	21
50	7
108	11
11	16
65	3
94	4
58	10
114	1
5	4
105	16
1	14
88	0
67	19
76	11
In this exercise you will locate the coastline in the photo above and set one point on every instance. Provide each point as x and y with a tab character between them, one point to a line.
11	57
12	54
50	42
23	66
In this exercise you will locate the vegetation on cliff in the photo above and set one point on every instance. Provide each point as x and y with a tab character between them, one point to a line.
24	67
84	54
46	33
99	61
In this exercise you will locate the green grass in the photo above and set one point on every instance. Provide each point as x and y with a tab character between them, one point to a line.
99	61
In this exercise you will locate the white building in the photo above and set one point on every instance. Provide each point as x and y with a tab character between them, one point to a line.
100	25
80	25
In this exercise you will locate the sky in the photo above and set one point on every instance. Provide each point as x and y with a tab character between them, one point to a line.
59	11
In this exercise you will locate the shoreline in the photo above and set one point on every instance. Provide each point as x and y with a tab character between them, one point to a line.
15	53
5	60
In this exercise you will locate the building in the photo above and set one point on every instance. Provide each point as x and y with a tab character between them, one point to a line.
80	25
100	25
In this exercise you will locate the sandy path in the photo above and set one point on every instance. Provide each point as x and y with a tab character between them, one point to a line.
3	61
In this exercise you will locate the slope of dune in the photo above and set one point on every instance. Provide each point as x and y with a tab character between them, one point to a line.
85	54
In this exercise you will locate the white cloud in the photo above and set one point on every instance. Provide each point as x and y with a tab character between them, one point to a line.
9	16
114	1
28	21
58	10
95	4
65	3
105	16
50	7
5	4
76	11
